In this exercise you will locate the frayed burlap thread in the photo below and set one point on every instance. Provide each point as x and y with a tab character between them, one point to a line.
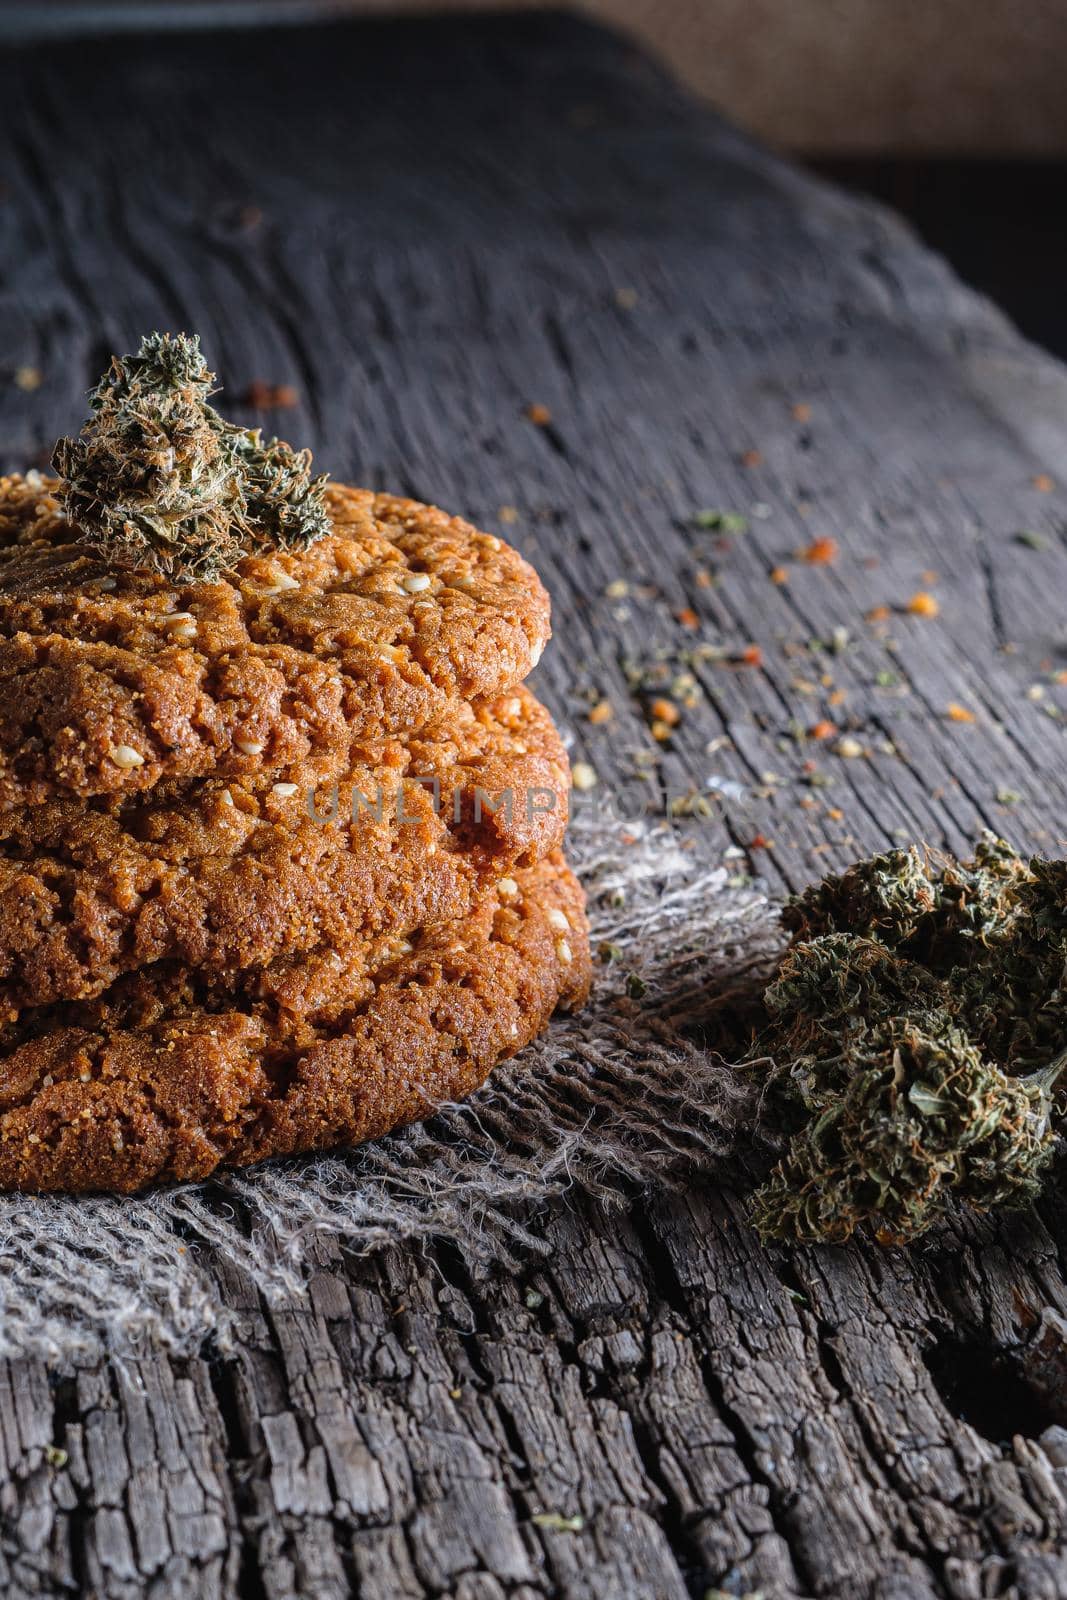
627	1092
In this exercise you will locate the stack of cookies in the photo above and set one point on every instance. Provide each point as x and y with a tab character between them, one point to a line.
280	861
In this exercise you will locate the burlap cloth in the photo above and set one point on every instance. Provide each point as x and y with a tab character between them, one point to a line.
627	1093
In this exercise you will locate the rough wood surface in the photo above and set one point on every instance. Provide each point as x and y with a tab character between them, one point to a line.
427	229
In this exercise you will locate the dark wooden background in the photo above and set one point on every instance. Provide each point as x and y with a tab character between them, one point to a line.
426	229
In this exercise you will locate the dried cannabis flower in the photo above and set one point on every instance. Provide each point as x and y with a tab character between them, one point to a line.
915	996
886	898
919	1117
157	478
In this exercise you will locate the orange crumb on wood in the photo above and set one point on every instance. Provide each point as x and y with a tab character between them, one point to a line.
820	552
666	711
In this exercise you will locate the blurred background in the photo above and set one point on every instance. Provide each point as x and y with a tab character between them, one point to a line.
953	111
975	77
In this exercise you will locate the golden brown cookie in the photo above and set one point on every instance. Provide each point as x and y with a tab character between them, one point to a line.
174	1076
237	875
114	680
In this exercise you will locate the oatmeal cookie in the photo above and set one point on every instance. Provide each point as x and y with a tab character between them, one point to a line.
236	875
113	680
173	1075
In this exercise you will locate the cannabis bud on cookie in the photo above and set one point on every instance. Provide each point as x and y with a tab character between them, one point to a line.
157	478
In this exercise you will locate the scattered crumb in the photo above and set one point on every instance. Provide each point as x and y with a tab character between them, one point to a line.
820	552
688	618
626	299
1043	483
779	575
878	614
28	378
271	396
685	688
603	711
752	656
666	711
923	605
583	776
508	514
822	730
539	415
958	713
752	458
801	412
849	748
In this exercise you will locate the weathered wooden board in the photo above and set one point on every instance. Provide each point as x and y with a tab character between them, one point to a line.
427	229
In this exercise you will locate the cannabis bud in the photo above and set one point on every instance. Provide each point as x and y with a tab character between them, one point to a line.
915	1034
885	898
917	1118
157	478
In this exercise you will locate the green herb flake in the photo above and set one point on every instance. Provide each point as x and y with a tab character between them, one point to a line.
721	521
556	1522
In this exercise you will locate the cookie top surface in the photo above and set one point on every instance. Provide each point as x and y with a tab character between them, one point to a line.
113	680
241	874
174	1075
